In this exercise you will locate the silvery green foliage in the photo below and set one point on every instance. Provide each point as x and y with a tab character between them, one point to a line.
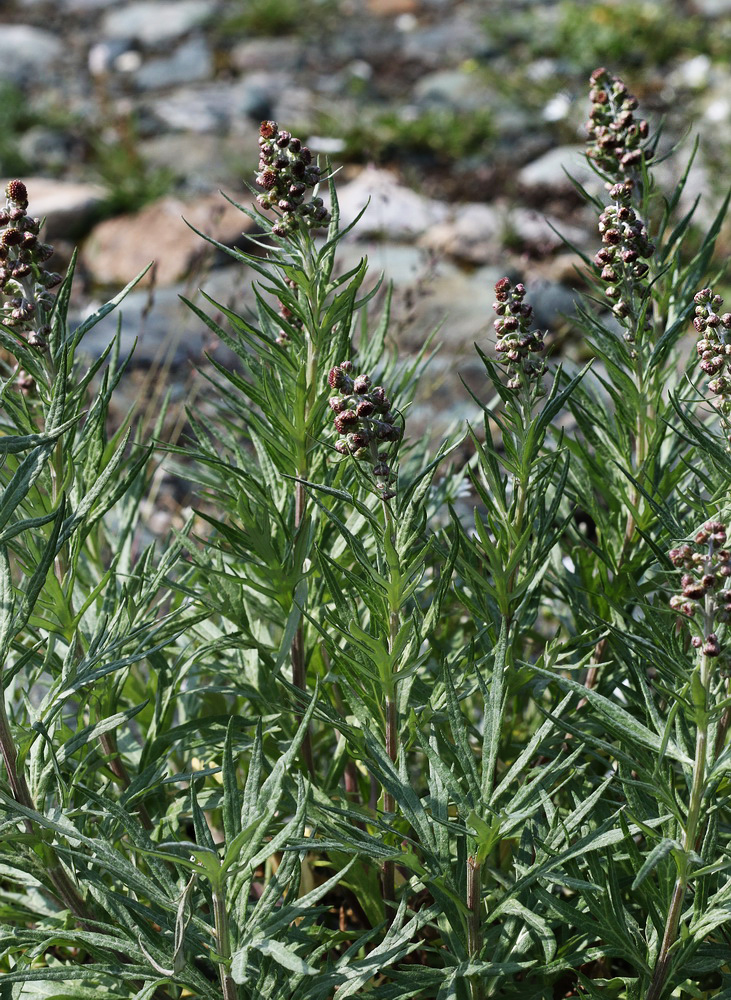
335	738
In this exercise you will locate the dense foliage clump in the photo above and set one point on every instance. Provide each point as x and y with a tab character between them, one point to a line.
335	737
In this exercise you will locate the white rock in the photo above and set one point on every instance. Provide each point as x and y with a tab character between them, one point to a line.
393	209
713	8
265	54
694	73
549	172
474	234
156	23
543	232
189	63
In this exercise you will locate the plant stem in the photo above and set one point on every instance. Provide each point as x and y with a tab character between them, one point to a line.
223	943
474	927
389	804
299	668
299	672
689	842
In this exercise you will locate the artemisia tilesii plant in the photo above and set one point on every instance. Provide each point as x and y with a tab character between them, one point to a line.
356	741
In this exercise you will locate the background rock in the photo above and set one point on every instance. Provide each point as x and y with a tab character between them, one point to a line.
120	248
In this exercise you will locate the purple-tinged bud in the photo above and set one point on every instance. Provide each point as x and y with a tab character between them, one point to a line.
359	440
336	377
711	646
16	191
344	421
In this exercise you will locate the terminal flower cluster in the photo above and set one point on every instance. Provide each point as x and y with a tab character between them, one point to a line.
25	283
626	247
615	135
707	566
286	171
516	342
714	348
364	418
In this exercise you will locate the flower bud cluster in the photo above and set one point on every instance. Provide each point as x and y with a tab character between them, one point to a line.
714	347
516	342
625	249
25	283
707	569
286	171
364	418
615	135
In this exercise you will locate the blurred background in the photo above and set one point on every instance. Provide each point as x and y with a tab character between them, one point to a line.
458	118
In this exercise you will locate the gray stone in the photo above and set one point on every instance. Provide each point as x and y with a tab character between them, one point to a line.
157	23
163	326
68	208
394	209
27	53
190	63
401	263
83	6
45	148
713	8
473	235
271	54
152	327
196	110
459	303
207	164
257	94
451	41
217	107
552	303
454	88
549	172
296	104
543	234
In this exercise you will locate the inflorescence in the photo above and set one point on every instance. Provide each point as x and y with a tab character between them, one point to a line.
707	566
364	418
24	281
625	249
286	171
714	349
515	339
616	136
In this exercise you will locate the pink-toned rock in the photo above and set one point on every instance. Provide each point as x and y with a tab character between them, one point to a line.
392	8
68	208
120	248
